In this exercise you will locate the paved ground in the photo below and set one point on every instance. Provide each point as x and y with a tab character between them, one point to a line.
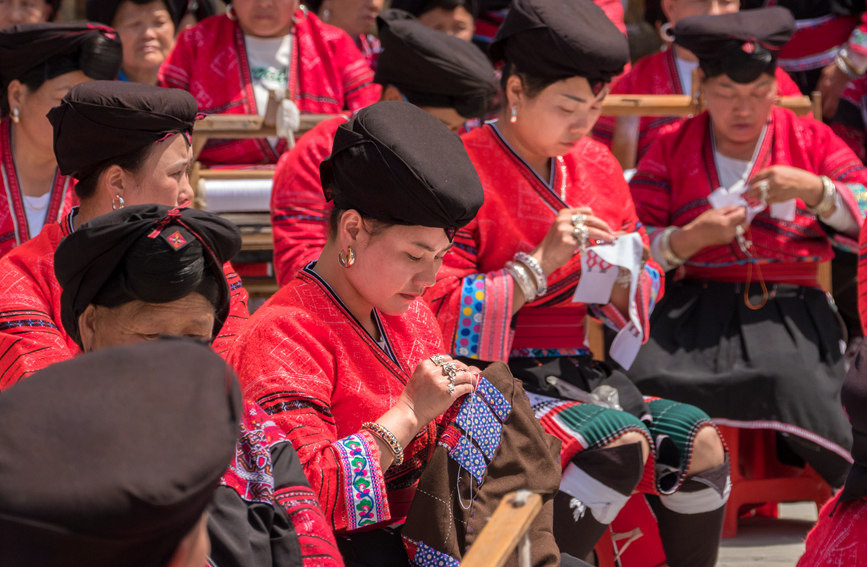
770	542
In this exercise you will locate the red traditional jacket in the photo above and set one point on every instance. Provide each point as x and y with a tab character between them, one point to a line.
473	295
327	74
657	74
308	363
849	121
31	334
13	220
299	211
678	173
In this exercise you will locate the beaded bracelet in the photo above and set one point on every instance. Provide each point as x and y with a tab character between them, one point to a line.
672	259
829	193
535	268
387	437
522	277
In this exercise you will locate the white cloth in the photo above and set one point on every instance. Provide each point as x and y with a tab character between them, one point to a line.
35	209
269	68
684	73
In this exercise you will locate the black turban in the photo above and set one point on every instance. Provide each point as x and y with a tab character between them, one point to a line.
111	458
742	45
396	163
419	7
431	68
103	11
558	39
28	48
101	120
150	253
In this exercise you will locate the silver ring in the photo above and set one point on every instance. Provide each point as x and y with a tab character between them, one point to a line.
451	389
739	230
763	186
450	369
581	234
578	219
438	359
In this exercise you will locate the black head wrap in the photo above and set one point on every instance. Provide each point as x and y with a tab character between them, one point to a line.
419	7
104	11
396	163
558	39
431	68
112	457
43	51
101	120
742	45
151	253
854	397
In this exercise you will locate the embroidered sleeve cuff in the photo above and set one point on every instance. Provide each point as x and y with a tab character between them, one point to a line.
362	481
483	330
851	200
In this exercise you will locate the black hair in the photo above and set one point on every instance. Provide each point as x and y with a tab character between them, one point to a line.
88	180
532	84
449	5
99	58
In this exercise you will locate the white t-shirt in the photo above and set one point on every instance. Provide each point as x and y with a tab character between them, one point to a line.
684	73
35	209
269	66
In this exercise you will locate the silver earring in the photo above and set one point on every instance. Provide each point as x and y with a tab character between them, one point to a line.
230	13
665	33
16	117
326	15
514	117
117	202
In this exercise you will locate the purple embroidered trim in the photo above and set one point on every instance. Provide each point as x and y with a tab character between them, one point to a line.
427	556
495	399
477	420
469	457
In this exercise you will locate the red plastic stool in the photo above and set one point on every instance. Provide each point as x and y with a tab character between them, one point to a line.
758	478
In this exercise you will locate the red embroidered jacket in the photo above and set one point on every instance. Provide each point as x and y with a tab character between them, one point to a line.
310	365
327	74
13	219
677	174
473	295
299	211
31	334
657	74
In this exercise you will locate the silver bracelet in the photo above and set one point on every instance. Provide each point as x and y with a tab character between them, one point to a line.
668	254
829	194
843	65
522	277
535	268
624	278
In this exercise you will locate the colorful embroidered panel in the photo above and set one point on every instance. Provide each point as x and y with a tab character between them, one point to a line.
470	458
364	501
427	556
496	400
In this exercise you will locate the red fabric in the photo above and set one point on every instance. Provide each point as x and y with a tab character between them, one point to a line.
657	74
678	173
13	220
327	75
838	540
517	213
813	40
31	334
307	362
848	122
299	211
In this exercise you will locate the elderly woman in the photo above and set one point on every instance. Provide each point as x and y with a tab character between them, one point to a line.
146	29
233	62
741	199
126	144
346	358
445	76
27	11
39	63
146	271
147	500
525	273
669	72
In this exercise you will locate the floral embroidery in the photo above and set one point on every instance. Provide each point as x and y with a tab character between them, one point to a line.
476	419
364	500
495	399
468	456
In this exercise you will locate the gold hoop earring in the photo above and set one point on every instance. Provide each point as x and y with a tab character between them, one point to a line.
16	117
347	259
117	202
514	117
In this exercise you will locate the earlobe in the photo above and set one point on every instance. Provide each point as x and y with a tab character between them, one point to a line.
86	328
113	182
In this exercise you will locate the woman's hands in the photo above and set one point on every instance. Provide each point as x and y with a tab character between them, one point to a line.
559	243
711	228
780	183
427	394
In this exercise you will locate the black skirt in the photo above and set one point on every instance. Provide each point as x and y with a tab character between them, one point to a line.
779	367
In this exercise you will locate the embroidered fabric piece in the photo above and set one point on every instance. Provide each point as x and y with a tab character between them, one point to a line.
426	556
477	420
470	319
469	457
497	402
364	502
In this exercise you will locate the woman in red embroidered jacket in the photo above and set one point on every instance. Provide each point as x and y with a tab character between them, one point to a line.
341	356
231	62
669	72
741	199
506	290
126	143
39	63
